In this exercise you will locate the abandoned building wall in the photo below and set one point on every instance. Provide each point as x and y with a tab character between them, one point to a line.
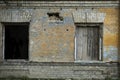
111	33
52	41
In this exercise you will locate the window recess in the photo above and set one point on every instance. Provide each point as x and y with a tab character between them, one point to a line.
88	42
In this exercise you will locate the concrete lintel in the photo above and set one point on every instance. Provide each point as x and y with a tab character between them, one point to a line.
88	17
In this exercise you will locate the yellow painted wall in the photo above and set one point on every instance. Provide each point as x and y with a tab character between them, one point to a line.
111	33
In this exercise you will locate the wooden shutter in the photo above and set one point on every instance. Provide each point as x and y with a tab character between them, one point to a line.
87	43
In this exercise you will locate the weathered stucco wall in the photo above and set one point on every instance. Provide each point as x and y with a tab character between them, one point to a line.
111	33
50	41
54	41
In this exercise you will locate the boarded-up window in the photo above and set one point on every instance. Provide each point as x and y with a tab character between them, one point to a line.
87	43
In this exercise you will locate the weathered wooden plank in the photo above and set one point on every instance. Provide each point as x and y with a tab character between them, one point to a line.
82	42
92	44
90	41
79	43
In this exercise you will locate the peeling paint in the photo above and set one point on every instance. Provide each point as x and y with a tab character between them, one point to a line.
110	53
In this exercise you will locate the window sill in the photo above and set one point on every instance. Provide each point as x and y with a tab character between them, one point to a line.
89	62
16	60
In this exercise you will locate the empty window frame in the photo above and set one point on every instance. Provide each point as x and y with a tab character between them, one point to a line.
16	40
88	42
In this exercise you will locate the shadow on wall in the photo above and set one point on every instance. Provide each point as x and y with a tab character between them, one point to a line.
119	43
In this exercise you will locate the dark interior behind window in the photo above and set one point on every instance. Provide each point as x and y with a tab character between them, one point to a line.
16	40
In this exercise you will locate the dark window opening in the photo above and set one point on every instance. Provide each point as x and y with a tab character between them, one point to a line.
16	40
